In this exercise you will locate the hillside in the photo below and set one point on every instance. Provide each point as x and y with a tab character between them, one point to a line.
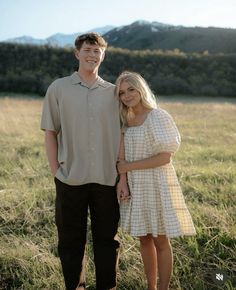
142	35
30	69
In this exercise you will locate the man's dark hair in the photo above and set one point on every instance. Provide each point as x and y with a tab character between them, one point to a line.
91	38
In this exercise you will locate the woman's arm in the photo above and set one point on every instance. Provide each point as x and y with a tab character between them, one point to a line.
158	160
51	150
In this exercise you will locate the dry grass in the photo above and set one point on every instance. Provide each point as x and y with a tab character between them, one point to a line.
206	168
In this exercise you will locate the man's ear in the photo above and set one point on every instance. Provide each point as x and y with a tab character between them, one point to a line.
76	52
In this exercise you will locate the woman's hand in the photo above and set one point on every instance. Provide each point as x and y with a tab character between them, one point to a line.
122	166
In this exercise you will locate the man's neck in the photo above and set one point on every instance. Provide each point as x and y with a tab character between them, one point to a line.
88	77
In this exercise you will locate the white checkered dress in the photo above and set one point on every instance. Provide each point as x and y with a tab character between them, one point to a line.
157	204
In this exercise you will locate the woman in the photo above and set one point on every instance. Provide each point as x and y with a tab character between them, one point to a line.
155	210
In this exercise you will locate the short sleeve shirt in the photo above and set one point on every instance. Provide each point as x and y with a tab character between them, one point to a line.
88	126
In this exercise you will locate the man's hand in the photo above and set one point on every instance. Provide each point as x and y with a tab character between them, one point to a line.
122	190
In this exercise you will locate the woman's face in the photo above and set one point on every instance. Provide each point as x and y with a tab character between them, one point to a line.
128	95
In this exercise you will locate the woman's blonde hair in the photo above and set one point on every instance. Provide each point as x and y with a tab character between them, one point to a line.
148	99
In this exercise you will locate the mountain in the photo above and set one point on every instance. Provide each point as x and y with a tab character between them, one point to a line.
102	30
144	35
154	35
60	39
57	39
26	40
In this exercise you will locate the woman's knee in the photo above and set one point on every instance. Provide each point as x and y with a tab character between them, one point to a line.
162	243
146	240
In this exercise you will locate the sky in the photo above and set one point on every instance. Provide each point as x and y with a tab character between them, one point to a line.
43	18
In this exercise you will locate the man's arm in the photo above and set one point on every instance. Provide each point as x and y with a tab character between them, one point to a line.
51	150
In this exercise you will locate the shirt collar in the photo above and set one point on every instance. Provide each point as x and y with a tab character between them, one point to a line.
75	78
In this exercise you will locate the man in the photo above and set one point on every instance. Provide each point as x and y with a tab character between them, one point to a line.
82	134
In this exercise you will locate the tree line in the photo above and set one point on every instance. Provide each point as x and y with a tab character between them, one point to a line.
30	69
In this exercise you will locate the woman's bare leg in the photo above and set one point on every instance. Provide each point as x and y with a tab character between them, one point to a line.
165	261
149	257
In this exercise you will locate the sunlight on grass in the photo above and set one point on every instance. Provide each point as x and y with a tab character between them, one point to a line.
206	169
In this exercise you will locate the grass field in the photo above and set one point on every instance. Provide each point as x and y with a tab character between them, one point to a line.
205	164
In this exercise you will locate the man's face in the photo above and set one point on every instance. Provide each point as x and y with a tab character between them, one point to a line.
90	56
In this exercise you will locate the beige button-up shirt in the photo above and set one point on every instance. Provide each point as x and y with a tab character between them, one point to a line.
88	126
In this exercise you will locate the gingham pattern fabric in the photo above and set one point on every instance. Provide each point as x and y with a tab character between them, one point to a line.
157	204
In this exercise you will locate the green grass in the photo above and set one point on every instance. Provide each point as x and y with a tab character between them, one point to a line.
206	169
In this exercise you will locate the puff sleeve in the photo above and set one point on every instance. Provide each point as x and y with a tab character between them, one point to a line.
165	133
